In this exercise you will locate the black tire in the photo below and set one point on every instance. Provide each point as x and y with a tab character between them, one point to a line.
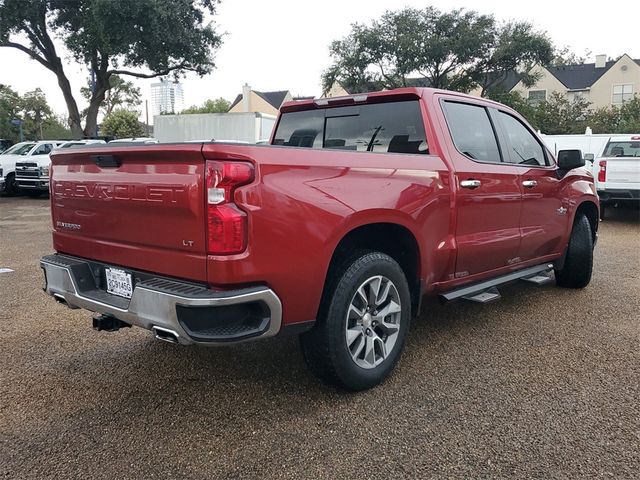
578	263
325	346
10	186
602	210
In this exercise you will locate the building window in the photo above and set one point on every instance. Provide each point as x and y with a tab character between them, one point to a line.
537	96
577	96
622	93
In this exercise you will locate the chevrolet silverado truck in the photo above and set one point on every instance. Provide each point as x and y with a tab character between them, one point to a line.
359	207
617	171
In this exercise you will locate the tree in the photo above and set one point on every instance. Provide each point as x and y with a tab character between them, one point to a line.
9	109
516	101
121	93
122	124
516	48
558	115
458	50
38	120
564	56
219	105
617	119
35	111
54	128
111	37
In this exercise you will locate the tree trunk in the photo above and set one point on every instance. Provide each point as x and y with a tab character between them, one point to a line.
102	86
72	106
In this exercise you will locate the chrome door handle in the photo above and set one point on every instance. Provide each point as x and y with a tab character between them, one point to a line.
470	183
529	183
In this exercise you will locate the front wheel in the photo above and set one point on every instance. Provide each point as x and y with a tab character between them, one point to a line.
362	325
578	263
11	186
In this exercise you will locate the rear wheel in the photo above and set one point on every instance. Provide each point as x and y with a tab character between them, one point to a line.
362	325
578	263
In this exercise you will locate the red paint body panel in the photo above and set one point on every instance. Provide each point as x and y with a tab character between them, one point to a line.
304	201
135	215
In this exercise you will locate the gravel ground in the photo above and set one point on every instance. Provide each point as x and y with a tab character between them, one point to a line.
543	384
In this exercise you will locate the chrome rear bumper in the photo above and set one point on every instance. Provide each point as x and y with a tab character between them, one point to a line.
195	314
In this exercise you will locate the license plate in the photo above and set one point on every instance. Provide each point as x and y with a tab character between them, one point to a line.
119	282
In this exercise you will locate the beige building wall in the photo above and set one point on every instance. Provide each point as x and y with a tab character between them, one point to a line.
546	82
336	90
257	104
625	71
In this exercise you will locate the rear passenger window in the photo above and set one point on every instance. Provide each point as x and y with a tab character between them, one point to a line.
472	132
524	148
300	129
394	127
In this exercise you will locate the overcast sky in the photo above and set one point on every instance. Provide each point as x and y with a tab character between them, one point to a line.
283	44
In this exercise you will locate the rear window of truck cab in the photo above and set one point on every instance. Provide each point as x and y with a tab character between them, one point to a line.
622	149
393	127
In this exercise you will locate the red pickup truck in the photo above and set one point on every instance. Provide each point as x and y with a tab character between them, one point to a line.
359	207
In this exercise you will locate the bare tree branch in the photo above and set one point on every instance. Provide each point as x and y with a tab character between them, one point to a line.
151	75
28	51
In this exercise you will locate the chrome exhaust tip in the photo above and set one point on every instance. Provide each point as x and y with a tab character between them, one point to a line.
165	334
63	301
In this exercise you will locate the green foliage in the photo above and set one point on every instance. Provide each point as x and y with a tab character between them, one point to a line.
516	47
35	110
617	119
121	94
219	105
515	101
142	38
54	128
457	50
122	124
32	108
558	115
9	109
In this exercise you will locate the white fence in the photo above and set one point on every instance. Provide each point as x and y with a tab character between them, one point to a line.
246	127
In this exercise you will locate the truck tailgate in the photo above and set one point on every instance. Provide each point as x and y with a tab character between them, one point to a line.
622	173
141	207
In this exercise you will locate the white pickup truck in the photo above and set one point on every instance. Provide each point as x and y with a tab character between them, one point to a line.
32	174
32	152
617	172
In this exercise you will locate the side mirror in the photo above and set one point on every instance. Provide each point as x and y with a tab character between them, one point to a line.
589	157
570	159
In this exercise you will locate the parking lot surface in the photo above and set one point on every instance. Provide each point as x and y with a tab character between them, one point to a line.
542	384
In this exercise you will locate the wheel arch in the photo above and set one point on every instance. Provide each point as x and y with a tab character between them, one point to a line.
390	238
589	209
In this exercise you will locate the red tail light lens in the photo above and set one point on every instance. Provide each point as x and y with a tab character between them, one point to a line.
602	173
227	225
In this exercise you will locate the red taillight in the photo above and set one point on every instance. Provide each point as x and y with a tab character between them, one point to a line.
602	173
226	224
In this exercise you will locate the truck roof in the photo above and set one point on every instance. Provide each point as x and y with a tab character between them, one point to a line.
395	95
